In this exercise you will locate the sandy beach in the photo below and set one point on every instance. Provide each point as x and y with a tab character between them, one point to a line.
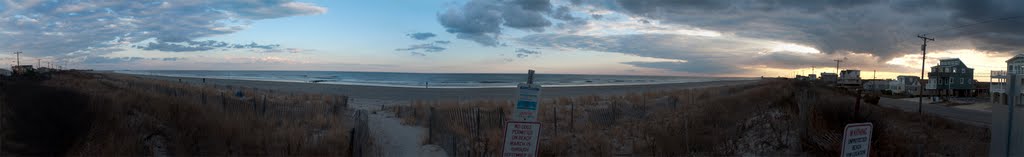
406	94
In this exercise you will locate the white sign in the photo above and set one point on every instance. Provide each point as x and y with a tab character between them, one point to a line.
521	139
526	103
857	140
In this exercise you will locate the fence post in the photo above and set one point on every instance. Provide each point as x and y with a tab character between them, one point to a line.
555	116
430	130
223	102
351	141
264	105
477	140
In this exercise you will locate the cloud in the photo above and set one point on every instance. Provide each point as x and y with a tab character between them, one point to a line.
523	53
421	35
442	42
417	49
481	21
668	46
171	59
885	29
697	67
57	28
707	55
281	50
189	46
526	51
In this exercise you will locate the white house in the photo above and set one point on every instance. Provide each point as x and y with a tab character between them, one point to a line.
849	78
905	85
1000	130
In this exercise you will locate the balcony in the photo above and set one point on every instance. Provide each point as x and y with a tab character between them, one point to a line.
999	74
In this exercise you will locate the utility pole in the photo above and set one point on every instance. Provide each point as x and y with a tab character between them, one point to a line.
837	65
18	56
873	72
39	63
924	55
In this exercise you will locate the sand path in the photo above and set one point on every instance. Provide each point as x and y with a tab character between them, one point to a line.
390	136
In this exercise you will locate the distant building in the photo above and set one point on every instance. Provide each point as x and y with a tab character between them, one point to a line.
876	85
951	77
812	77
801	77
849	78
5	72
905	85
22	69
829	77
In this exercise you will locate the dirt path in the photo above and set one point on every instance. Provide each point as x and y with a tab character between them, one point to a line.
390	136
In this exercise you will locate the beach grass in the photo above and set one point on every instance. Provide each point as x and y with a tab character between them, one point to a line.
748	119
132	116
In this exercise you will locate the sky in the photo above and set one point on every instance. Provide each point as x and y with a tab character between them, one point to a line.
743	38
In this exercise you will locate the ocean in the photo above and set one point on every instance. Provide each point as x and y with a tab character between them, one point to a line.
434	80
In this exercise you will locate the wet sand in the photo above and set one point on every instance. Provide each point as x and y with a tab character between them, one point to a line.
407	93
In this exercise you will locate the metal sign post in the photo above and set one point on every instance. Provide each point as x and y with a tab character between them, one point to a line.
1013	93
522	133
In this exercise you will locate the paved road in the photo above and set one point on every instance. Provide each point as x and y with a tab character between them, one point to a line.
966	115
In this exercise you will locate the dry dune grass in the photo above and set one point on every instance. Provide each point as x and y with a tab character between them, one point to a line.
749	119
896	132
143	117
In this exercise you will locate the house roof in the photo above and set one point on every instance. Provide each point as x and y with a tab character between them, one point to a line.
1015	57
959	63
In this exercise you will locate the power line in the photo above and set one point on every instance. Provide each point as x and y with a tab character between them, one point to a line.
979	23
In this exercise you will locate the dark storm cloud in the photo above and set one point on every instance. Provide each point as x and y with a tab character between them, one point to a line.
421	35
58	28
666	46
883	28
706	55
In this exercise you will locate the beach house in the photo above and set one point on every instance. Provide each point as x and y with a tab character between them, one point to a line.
876	85
951	77
829	77
22	69
849	78
999	85
1000	96
905	85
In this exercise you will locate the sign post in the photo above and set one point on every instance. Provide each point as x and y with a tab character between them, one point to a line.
857	140
523	131
526	103
521	139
